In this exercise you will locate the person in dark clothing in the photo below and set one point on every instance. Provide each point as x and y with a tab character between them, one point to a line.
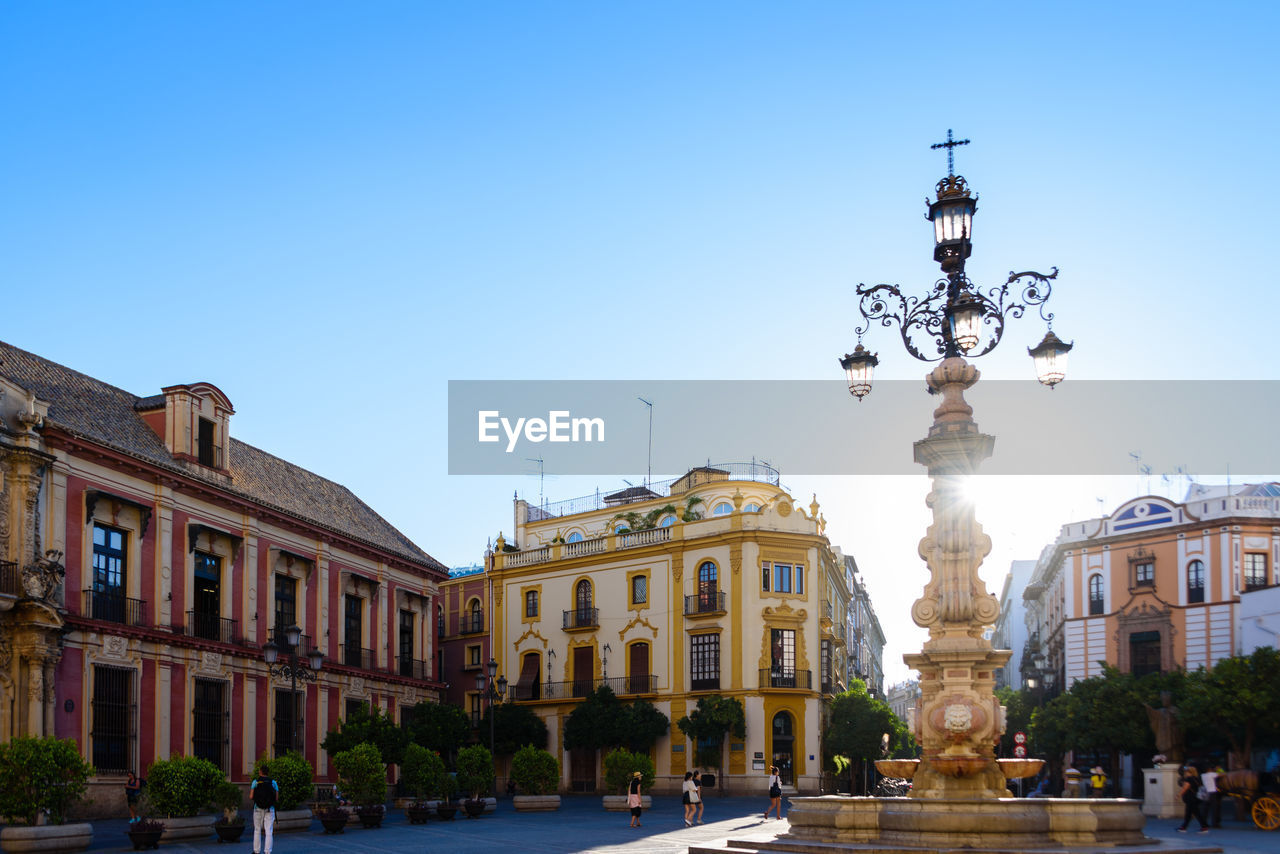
1190	793
633	798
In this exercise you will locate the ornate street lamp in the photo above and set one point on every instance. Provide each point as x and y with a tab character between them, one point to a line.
958	718
294	671
486	687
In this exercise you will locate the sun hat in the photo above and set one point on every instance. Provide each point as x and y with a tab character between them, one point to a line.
637	774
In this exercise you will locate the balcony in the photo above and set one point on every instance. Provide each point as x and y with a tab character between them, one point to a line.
354	656
711	602
576	689
210	627
783	678
581	618
705	683
280	638
471	624
10	579
413	668
114	608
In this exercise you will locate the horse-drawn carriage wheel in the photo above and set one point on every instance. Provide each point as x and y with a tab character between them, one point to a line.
1266	812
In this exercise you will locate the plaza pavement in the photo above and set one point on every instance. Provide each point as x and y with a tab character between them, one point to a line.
581	825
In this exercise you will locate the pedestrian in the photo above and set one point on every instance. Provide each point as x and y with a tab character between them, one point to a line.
1097	781
1190	793
688	796
697	786
775	792
633	798
1213	805
132	791
264	793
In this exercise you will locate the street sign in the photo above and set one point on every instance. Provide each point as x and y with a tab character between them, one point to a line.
1020	751
1019	737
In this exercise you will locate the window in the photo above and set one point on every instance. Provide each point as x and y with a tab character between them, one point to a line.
582	600
1195	581
708	587
531	603
639	589
782	578
353	631
1144	573
354	707
476	709
113	719
1095	595
667	522
782	658
206	450
799	580
825	664
1255	570
704	660
289	721
751	508
1144	653
724	508
406	645
473	655
205	618
286	604
639	680
477	616
764	577
575	537
211	722
109	581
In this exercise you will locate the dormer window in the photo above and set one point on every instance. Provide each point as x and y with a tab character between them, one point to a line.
207	451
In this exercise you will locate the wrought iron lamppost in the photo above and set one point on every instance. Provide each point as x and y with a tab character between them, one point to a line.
294	671
958	717
491	690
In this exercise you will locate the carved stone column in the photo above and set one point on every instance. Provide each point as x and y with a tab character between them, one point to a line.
958	718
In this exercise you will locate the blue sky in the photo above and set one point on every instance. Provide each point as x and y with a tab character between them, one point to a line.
331	209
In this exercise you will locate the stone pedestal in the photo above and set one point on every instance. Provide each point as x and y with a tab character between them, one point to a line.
1161	785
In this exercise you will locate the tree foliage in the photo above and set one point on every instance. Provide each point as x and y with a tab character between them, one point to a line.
514	726
602	721
365	726
860	728
621	764
1238	699
475	770
362	776
535	771
292	773
709	723
39	774
182	786
440	727
421	770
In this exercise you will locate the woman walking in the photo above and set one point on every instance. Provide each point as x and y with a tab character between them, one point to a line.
697	788
633	798
1190	793
689	796
775	792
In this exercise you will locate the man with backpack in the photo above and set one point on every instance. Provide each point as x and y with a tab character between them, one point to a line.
264	793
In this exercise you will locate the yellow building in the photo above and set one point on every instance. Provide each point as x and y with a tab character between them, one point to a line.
708	584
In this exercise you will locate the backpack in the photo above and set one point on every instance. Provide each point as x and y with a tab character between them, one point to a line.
264	793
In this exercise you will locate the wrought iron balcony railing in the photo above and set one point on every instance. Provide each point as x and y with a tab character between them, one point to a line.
114	608
471	624
210	627
354	656
280	638
582	618
785	678
710	602
413	668
646	683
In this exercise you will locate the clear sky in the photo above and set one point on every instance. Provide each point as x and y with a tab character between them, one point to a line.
330	209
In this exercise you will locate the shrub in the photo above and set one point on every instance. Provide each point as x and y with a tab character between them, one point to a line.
419	769
294	776
475	770
39	774
182	786
621	764
361	774
535	771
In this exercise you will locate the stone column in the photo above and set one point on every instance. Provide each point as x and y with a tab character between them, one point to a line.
958	718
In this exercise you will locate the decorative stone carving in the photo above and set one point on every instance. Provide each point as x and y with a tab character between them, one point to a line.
115	647
41	579
210	662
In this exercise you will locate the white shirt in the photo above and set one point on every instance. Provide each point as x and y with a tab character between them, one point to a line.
1210	781
775	780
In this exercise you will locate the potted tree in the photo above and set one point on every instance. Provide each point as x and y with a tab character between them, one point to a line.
537	776
418	772
475	777
145	833
42	777
180	789
293	776
230	825
619	767
363	778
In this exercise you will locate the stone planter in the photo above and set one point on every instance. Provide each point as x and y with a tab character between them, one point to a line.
618	803
473	808
289	821
535	803
419	813
188	827
47	838
228	832
371	816
445	811
144	839
334	825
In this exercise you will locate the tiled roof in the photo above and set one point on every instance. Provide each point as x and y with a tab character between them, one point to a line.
109	416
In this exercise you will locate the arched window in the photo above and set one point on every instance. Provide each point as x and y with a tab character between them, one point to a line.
1195	581
751	508
575	537
667	522
582	596
1095	595
707	586
724	508
639	680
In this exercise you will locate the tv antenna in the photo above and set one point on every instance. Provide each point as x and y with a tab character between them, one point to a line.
541	475
649	475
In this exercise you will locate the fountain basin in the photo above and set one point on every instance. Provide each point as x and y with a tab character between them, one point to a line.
959	766
903	769
1013	769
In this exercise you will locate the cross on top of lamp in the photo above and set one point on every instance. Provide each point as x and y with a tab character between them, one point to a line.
956	318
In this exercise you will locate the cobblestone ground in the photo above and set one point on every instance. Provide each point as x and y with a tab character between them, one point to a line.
581	825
